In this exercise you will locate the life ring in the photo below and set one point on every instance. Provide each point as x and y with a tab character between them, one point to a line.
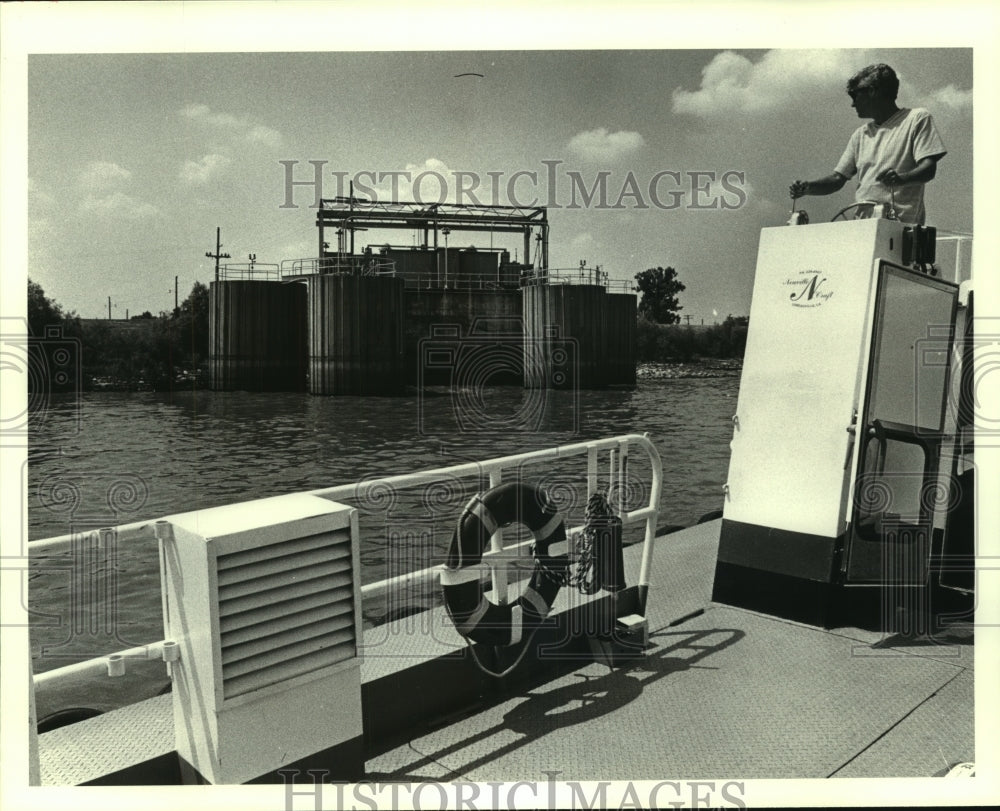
474	616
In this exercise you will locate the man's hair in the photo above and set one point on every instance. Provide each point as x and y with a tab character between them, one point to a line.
880	77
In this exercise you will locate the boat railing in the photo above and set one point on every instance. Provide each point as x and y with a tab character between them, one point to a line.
962	241
495	560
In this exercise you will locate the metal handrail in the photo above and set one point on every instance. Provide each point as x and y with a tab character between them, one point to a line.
494	560
362	265
574	276
961	239
298	267
579	275
460	281
375	266
246	271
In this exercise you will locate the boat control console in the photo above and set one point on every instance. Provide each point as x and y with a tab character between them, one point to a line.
843	453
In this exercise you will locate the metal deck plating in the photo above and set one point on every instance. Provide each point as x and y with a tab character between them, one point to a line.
721	692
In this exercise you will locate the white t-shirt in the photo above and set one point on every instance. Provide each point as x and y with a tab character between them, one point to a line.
900	142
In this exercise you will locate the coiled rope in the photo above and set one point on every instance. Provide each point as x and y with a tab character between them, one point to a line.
581	574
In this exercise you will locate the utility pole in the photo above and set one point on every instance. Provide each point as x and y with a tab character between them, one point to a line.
109	308
446	230
218	252
176	305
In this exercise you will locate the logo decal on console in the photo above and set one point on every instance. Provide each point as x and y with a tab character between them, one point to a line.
811	289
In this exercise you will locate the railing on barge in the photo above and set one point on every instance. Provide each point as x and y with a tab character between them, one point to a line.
494	559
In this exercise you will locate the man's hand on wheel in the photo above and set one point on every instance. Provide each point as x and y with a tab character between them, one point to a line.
890	177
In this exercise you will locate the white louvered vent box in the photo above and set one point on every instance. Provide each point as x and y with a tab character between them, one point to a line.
263	599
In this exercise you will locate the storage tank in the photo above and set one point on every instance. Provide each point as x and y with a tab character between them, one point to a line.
565	328
257	336
622	338
356	335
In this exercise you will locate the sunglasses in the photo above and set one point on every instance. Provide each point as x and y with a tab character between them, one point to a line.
854	93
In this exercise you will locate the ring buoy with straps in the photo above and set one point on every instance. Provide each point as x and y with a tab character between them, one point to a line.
475	617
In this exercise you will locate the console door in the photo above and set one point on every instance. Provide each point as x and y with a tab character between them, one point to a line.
896	492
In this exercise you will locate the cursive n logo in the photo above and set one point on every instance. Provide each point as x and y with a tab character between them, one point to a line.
811	289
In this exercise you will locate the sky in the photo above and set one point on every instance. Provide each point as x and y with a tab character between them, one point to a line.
135	159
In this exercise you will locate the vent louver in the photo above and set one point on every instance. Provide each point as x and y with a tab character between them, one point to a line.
285	610
264	601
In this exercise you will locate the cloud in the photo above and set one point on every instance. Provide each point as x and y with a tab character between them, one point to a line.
428	182
601	145
757	204
198	173
731	83
266	136
204	114
425	185
101	175
948	98
99	180
243	127
118	204
429	165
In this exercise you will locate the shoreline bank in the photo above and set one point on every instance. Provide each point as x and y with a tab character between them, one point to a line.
672	371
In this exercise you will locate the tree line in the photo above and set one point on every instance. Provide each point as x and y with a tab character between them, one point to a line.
146	352
660	335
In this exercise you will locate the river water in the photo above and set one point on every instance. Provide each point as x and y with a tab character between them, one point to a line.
111	458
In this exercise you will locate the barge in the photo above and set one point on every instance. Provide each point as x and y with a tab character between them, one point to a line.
822	627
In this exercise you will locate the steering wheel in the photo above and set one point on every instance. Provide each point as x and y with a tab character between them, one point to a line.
845	209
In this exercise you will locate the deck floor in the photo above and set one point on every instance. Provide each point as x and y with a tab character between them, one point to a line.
725	692
728	693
